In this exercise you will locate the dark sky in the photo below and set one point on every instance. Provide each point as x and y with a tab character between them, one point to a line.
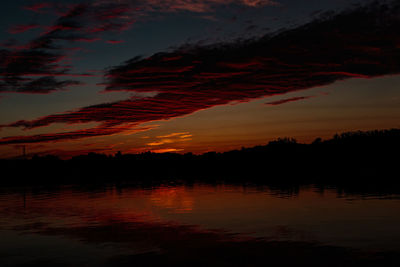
193	75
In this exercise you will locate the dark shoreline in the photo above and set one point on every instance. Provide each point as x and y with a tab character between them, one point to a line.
354	160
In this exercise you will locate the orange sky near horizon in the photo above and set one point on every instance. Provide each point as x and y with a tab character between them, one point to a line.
351	105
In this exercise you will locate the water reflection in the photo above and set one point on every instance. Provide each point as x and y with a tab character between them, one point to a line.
176	199
199	223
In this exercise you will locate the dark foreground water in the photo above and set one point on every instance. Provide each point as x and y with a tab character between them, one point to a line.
197	225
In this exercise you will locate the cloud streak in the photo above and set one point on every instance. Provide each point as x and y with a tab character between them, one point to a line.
93	132
38	7
362	43
288	100
33	67
84	22
171	138
195	6
22	28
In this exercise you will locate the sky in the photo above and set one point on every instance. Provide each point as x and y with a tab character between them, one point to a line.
193	75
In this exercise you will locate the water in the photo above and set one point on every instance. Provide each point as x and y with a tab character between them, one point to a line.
202	224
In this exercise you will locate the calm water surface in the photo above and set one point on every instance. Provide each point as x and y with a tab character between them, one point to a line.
174	223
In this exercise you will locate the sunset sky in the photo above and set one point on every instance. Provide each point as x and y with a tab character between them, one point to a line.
193	75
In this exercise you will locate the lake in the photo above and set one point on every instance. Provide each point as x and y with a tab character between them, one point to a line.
197	225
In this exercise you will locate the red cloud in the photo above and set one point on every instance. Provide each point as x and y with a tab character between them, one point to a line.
98	131
287	100
200	77
111	12
87	40
41	57
199	6
22	28
38	7
115	41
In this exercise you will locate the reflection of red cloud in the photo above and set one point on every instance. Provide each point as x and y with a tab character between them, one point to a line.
172	198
